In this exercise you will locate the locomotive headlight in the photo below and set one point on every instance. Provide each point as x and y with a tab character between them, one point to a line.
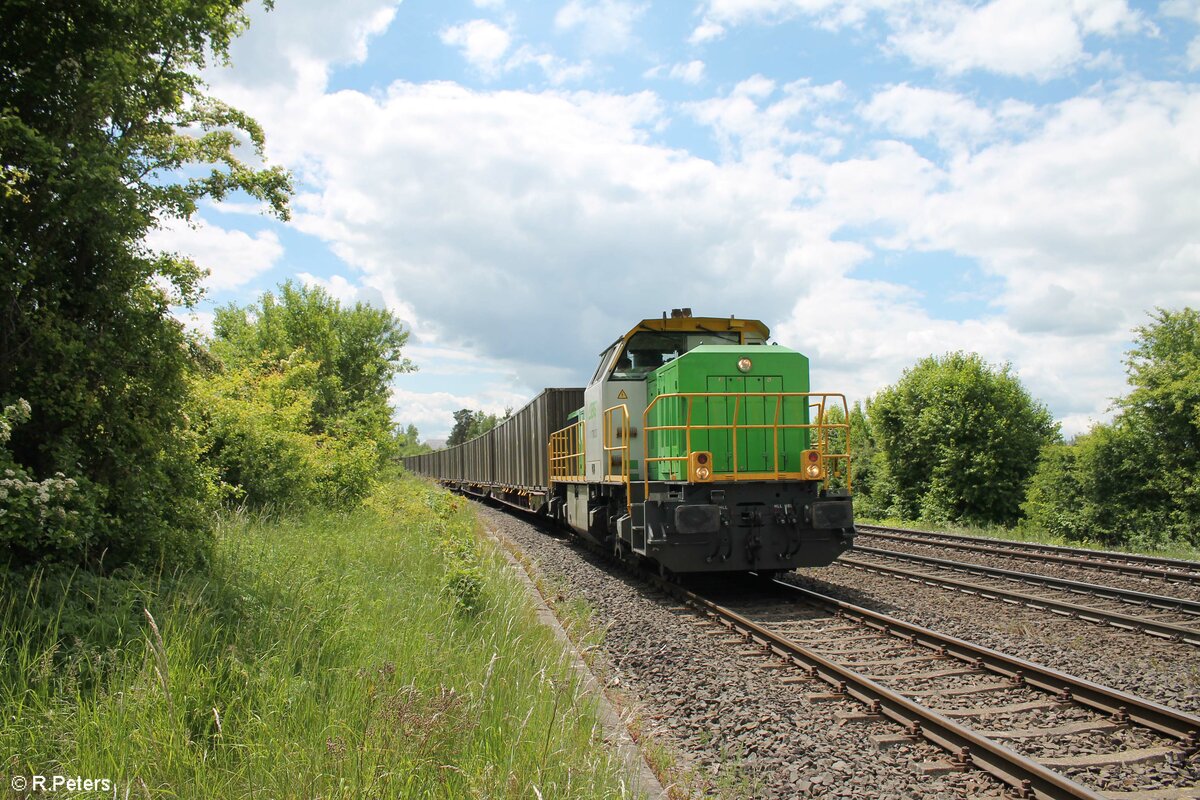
700	466
703	473
812	465
744	364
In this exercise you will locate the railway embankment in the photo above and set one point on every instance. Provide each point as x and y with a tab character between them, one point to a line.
378	653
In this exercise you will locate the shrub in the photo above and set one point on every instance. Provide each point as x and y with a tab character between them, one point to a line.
51	516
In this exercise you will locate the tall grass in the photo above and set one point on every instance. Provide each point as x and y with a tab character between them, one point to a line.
374	654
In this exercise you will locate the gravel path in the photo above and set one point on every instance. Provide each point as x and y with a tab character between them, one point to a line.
734	727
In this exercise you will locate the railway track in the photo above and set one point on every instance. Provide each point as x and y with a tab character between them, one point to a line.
1132	564
1173	618
1042	732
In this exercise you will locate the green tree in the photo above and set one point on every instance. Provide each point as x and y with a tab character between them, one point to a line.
959	440
464	418
105	132
872	493
357	351
1162	411
408	443
470	424
260	443
1136	480
294	409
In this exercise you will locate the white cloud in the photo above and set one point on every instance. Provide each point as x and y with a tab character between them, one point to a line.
343	290
485	210
606	25
746	120
487	216
691	72
1189	10
1081	216
483	44
433	412
859	360
918	113
558	71
1024	38
706	31
1083	212
307	37
831	13
232	257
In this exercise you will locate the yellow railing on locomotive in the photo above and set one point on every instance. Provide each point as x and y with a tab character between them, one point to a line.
566	453
622	447
825	439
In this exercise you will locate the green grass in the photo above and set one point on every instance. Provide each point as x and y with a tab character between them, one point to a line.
1027	533
376	654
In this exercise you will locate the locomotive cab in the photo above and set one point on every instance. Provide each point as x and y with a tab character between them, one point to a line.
700	447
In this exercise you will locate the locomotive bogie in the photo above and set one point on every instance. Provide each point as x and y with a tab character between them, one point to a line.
759	525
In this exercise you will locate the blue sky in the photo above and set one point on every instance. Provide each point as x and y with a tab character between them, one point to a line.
878	180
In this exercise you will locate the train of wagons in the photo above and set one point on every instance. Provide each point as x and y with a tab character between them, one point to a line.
696	446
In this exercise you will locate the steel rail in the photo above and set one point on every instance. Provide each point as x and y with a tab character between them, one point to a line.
1130	622
1164	719
1139	558
1130	596
1146	566
968	747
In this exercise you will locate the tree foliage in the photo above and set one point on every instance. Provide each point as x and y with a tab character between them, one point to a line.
1135	480
294	409
959	439
258	426
408	442
356	351
105	132
470	424
872	493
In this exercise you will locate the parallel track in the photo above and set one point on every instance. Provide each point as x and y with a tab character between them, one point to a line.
870	634
1111	712
1170	569
1186	631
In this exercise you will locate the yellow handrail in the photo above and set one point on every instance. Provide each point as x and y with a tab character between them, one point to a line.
622	448
821	426
565	462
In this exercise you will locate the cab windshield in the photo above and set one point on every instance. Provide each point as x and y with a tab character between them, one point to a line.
649	350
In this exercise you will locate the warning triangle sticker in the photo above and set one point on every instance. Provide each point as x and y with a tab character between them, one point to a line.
622	395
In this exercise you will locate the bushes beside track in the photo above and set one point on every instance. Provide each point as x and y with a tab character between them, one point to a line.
941	448
379	653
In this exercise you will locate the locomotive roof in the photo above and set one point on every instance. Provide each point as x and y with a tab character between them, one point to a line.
699	325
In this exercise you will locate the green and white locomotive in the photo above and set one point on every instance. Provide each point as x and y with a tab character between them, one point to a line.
696	445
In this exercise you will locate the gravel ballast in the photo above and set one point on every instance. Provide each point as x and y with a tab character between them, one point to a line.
1147	666
724	716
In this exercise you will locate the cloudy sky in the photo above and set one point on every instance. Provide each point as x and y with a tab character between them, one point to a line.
878	180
